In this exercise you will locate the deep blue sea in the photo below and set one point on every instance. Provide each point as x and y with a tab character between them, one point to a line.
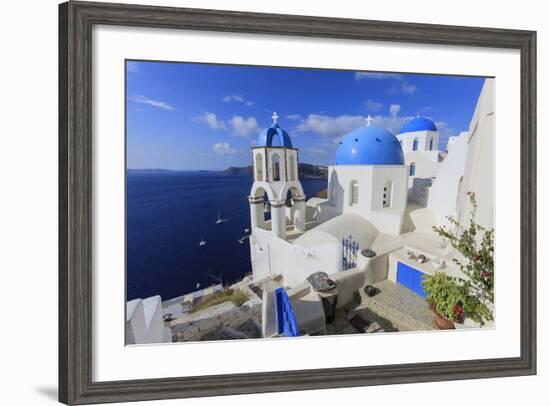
167	214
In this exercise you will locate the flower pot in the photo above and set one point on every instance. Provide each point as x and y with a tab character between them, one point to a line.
440	322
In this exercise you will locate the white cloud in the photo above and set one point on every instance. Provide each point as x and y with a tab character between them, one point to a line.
243	127
211	120
393	121
408	88
377	75
294	117
373	106
233	97
223	148
330	127
334	127
151	102
395	109
238	99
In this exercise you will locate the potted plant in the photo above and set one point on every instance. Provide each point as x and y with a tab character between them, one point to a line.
447	298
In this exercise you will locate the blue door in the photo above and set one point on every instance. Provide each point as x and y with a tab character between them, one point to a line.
410	278
286	321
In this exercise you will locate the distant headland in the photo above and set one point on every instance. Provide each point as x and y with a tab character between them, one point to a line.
305	171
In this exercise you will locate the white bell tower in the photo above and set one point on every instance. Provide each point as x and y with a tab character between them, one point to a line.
275	163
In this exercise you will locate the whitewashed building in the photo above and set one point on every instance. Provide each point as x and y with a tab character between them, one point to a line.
419	140
372	205
144	321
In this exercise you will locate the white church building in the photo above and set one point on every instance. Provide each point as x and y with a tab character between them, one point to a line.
385	192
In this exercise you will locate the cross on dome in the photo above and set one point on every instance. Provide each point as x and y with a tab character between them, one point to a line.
369	119
275	117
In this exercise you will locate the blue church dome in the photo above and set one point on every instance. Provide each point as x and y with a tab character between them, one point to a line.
265	139
418	124
369	145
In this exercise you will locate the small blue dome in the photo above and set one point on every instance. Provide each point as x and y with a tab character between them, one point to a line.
265	139
418	124
369	145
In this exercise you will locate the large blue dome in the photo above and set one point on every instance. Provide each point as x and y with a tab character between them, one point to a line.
369	145
265	139
418	124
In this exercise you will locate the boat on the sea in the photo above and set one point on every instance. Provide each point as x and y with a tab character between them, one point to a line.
220	219
241	240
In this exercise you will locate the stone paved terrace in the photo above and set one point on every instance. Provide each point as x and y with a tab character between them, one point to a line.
394	308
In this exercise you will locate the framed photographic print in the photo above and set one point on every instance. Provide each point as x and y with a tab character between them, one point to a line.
260	202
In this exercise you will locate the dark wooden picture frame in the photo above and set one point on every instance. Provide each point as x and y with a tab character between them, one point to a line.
76	20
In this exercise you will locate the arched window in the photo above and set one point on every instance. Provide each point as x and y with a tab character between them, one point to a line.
431	144
259	167
415	144
387	194
412	169
276	167
292	164
353	193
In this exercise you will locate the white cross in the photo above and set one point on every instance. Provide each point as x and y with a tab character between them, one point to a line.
368	119
275	117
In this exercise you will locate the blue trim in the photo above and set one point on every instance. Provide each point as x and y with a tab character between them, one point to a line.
412	169
286	320
411	278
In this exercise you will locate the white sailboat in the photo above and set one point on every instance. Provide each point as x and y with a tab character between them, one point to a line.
220	219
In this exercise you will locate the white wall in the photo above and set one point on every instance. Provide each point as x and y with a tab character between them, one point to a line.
444	190
469	167
29	131
424	138
371	180
273	256
480	161
144	322
426	163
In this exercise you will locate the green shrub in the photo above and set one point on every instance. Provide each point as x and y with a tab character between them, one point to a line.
446	294
476	245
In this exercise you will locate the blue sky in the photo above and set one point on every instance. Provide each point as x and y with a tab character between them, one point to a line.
200	116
